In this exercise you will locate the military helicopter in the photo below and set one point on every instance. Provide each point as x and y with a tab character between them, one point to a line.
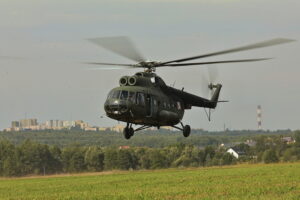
145	99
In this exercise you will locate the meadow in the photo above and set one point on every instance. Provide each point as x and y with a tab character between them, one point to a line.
247	181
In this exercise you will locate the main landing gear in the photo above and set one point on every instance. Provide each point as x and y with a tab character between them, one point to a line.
128	131
186	130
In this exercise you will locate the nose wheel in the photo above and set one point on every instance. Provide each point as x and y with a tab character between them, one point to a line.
128	132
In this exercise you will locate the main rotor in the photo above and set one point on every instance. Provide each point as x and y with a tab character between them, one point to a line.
123	46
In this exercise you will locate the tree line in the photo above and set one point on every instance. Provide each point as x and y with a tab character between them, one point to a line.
150	138
32	158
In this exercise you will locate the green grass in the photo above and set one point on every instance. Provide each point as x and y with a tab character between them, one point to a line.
273	181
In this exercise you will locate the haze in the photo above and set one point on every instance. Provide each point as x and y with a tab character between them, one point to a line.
43	45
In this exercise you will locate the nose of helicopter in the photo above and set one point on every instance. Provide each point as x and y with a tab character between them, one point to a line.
115	106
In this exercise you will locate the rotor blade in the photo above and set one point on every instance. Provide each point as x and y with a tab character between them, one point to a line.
120	45
267	43
109	68
214	62
110	64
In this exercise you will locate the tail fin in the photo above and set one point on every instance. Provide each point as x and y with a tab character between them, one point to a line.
215	97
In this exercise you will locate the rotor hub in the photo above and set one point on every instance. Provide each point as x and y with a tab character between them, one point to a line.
149	66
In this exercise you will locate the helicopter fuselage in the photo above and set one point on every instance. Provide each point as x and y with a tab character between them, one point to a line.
145	99
144	105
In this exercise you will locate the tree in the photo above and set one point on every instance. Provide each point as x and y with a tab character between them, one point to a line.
173	153
94	159
297	138
291	154
243	147
6	152
76	163
188	157
73	158
270	156
261	143
111	159
227	159
56	161
157	159
209	153
124	159
34	157
11	166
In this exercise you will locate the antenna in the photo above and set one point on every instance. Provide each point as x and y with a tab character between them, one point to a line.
259	117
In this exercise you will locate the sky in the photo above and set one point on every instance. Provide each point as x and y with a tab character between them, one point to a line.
44	44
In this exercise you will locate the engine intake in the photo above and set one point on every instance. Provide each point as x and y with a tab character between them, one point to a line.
123	81
132	80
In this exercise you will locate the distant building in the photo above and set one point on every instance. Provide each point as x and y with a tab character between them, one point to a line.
15	124
118	128
169	128
288	140
68	124
124	147
26	123
103	128
91	129
235	152
250	143
32	124
84	125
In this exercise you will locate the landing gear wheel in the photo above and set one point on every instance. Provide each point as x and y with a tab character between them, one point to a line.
186	131
131	131
127	133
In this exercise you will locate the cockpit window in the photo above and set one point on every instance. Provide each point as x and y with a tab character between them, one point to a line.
114	94
110	94
124	95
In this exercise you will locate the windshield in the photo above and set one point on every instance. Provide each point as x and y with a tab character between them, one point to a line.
114	94
123	95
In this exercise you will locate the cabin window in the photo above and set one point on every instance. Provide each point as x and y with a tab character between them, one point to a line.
172	105
131	96
124	95
178	105
140	99
165	105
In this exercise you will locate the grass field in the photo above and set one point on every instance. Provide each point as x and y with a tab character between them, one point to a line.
276	181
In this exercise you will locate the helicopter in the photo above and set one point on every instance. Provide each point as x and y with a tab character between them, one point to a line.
144	98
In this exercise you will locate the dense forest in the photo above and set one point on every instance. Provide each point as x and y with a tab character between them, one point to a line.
156	139
32	158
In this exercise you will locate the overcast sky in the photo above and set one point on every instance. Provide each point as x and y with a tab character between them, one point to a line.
49	81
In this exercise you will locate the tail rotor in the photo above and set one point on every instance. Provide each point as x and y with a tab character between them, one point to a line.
208	81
